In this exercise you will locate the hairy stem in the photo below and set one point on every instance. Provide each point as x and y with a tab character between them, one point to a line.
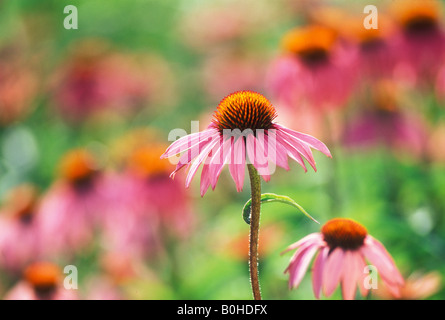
255	184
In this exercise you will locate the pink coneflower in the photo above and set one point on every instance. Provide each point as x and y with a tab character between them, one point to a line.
242	131
385	124
96	81
41	281
343	247
316	69
417	286
377	57
70	208
421	43
20	239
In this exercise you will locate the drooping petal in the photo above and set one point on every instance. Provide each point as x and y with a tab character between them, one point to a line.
194	167
187	157
364	289
351	273
276	151
205	179
238	163
308	139
317	272
299	264
217	163
187	142
374	251
298	145
313	237
257	156
292	152
332	271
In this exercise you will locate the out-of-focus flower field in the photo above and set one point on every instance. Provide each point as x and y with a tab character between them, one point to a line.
85	115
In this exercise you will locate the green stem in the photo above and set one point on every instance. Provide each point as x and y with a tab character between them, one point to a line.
255	185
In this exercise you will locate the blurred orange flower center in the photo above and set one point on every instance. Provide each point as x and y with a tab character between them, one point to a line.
418	17
78	166
244	110
311	43
43	276
344	233
145	161
22	202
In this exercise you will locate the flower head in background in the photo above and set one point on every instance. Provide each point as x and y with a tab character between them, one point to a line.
316	69
421	43
70	208
385	124
20	239
417	286
343	246
96	81
242	131
41	281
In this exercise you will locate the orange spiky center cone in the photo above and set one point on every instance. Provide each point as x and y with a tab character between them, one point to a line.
244	110
344	233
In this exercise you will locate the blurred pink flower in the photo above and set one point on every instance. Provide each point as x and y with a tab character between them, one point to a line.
20	240
417	286
41	281
102	288
316	69
343	246
96	81
251	113
377	56
385	124
147	207
69	210
421	40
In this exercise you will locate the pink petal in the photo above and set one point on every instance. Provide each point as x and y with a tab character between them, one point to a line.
277	153
292	152
377	255
361	279
332	271
238	163
194	167
187	142
300	146
299	264
205	179
308	139
317	273
351	273
216	164
313	237
257	156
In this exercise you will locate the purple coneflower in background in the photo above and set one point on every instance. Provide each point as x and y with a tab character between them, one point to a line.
343	246
70	209
242	128
316	69
20	239
421	40
41	281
